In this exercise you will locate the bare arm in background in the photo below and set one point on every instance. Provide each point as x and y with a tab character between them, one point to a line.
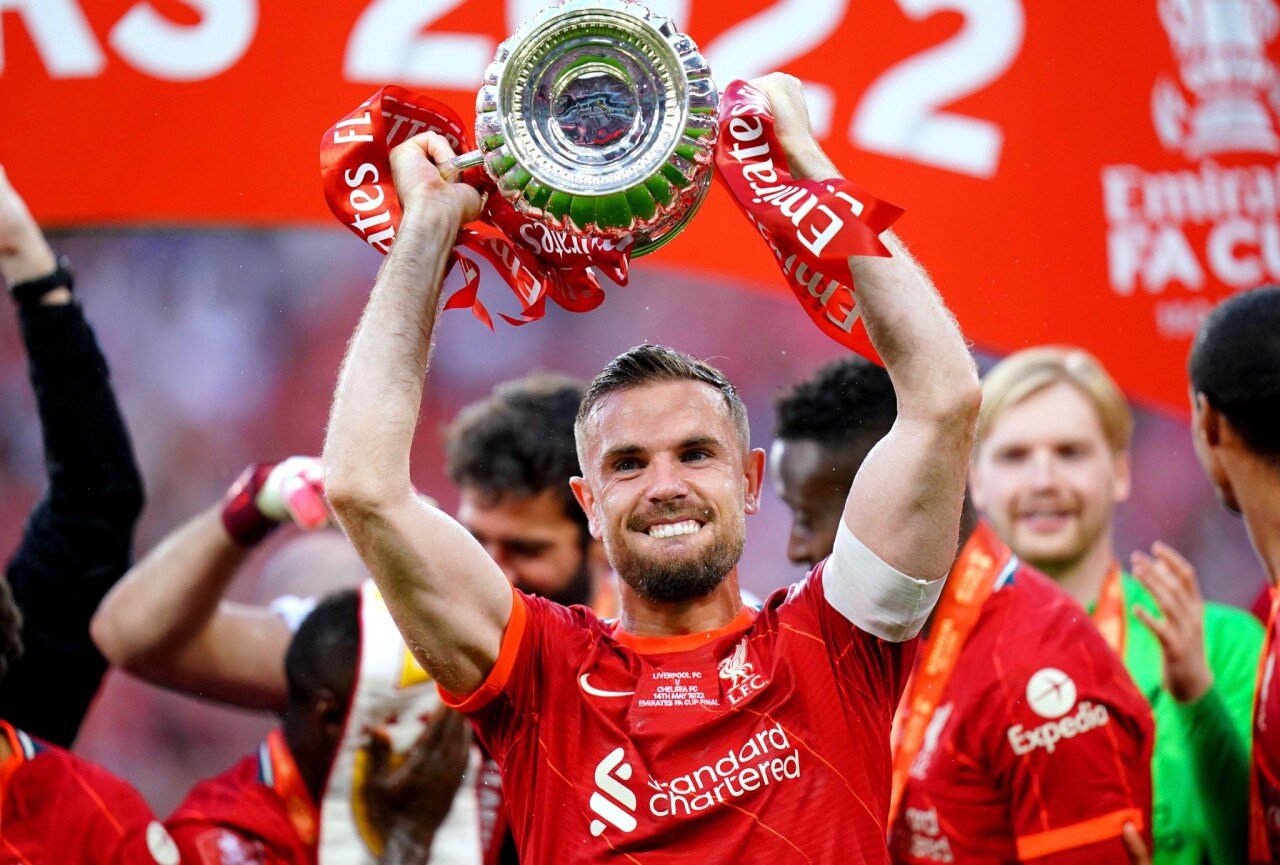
166	621
449	599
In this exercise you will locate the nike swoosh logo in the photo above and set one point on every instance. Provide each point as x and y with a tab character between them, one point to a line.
596	692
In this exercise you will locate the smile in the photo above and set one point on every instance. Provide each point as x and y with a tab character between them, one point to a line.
674	530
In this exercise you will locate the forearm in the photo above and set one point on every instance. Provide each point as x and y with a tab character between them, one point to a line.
379	392
1220	761
915	335
88	454
170	596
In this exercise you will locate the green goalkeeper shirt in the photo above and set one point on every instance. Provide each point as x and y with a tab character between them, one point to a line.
1200	769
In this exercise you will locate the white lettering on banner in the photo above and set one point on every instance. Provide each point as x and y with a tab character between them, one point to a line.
187	52
900	114
1185	228
550	241
61	34
388	43
766	758
1087	717
773	38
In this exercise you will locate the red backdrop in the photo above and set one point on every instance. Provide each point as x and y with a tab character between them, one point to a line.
1098	175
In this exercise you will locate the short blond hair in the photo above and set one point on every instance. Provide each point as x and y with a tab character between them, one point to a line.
1030	371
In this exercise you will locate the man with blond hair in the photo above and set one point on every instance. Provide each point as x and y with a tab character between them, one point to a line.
1051	465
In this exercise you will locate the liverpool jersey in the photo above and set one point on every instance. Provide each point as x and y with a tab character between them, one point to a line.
1264	799
58	808
1039	743
765	741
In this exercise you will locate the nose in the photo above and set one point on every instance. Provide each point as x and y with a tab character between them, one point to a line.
666	481
1044	473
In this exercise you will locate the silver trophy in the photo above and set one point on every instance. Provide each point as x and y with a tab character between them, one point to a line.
598	117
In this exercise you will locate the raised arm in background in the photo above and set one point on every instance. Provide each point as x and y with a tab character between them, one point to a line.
449	599
166	621
905	502
78	540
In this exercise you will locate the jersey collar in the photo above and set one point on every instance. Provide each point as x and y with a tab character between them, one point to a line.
277	770
683	642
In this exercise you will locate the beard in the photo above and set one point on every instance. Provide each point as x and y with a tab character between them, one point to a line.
677	578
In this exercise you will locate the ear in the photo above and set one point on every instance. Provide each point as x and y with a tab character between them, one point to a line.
1207	422
976	494
1123	481
587	501
754	471
329	712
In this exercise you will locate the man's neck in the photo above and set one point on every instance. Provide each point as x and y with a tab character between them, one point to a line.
646	618
1259	499
1084	577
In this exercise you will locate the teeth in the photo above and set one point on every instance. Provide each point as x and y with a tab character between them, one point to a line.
674	530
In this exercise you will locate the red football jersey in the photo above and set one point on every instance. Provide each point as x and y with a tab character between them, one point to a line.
1040	743
1264	841
58	808
256	813
766	741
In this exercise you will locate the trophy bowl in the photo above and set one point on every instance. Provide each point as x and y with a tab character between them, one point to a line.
598	117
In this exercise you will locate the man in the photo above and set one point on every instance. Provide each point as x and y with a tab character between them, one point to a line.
78	539
1235	395
264	811
1021	737
1051	466
691	726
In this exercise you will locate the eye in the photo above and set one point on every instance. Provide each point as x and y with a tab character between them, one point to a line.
1073	451
695	455
627	464
1009	456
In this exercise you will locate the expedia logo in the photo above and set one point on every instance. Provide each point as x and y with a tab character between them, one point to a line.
612	801
1051	693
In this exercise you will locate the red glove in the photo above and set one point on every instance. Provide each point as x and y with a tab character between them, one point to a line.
268	494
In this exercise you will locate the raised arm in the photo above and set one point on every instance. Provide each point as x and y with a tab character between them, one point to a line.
79	538
449	599
166	621
905	501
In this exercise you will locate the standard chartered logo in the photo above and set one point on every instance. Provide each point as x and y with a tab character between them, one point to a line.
613	801
765	759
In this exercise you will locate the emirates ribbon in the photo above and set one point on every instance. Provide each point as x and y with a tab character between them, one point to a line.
536	261
972	579
1109	615
812	227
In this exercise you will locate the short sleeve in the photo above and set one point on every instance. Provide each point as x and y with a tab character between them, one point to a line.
1079	726
124	829
524	672
862	662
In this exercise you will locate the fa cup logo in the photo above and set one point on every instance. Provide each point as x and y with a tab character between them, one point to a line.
1221	49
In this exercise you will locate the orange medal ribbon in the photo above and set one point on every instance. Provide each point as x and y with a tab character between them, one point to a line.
972	580
281	773
1108	613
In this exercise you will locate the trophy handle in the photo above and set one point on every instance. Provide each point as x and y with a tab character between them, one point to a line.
450	169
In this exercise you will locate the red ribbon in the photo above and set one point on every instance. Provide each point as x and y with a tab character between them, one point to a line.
536	261
811	227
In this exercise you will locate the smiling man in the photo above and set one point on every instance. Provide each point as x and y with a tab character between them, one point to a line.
692	726
1051	467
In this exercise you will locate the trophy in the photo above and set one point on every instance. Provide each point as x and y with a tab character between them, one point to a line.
598	118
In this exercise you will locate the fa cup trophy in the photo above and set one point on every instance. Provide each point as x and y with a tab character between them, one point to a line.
598	117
